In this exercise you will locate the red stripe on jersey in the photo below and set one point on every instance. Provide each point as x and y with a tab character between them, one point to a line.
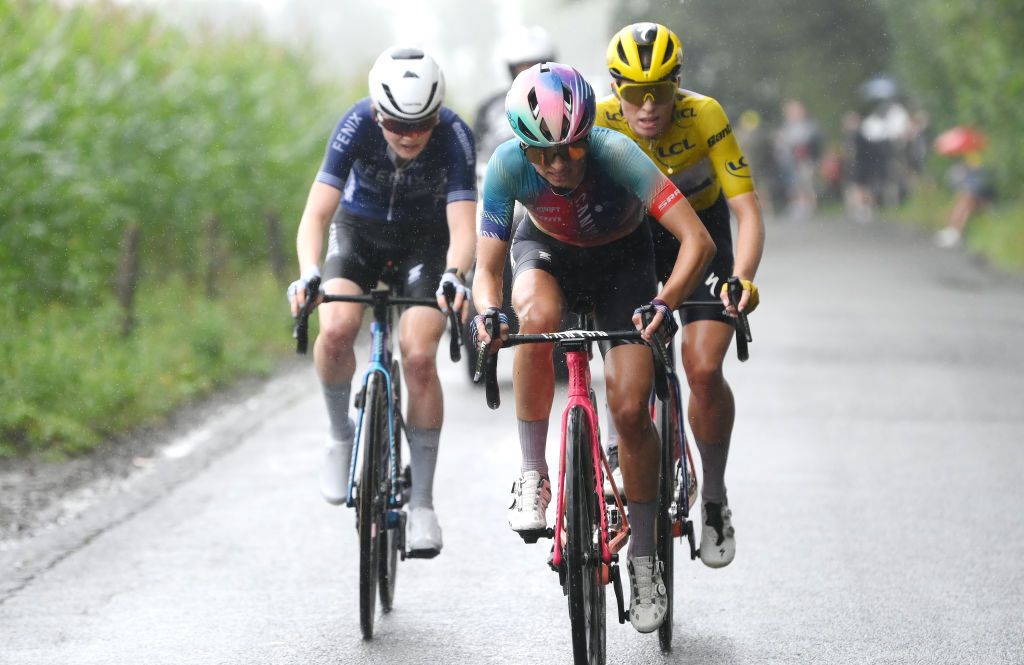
665	198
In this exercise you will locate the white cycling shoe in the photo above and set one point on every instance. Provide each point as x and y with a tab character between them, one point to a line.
422	533
334	471
717	536
531	494
649	602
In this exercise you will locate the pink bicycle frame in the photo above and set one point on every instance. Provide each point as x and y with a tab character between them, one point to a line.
579	395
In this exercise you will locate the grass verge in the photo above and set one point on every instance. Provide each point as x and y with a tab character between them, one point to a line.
68	379
997	233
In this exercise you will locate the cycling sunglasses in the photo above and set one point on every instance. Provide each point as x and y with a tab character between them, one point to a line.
637	93
545	156
403	128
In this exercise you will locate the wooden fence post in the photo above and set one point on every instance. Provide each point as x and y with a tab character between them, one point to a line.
277	260
127	281
212	255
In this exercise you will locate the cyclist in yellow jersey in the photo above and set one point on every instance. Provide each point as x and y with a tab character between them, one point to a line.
690	139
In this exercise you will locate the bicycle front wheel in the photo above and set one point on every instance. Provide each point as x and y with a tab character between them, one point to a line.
664	526
373	491
392	536
583	545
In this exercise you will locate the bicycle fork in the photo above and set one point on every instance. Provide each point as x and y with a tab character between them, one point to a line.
609	516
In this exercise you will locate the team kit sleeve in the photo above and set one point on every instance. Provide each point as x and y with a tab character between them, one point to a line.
461	168
343	146
634	170
724	150
499	193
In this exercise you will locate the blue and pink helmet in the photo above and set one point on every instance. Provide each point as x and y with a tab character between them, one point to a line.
550	104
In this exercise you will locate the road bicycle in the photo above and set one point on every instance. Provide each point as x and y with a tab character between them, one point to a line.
379	491
677	477
588	532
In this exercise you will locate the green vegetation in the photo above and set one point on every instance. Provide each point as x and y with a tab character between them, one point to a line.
997	233
957	61
109	120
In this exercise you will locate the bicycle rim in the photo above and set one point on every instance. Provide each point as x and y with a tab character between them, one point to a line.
583	554
392	536
666	493
371	506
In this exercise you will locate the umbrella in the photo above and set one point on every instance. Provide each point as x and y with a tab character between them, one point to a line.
880	88
960	140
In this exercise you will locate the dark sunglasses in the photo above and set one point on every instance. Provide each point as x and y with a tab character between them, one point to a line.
570	152
637	93
404	128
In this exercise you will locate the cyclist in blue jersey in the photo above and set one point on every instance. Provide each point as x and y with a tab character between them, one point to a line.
402	166
587	191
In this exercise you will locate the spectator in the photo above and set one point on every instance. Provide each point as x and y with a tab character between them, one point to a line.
969	180
798	149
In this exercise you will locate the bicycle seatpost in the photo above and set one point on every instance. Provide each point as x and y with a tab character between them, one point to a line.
301	330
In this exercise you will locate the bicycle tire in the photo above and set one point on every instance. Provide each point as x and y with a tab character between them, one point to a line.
583	551
392	538
665	522
372	510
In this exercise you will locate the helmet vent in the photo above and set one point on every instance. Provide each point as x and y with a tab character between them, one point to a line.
670	53
407	54
622	52
523	129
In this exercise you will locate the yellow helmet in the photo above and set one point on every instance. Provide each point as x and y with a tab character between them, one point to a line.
645	52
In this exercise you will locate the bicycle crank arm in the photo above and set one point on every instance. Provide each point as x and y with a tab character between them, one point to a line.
617	586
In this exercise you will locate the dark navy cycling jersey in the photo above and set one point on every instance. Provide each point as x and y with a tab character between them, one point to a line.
359	163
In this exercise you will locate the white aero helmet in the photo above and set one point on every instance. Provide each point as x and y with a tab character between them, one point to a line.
406	84
527	46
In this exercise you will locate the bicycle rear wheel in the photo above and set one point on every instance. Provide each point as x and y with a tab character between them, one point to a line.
583	549
372	498
392	538
664	527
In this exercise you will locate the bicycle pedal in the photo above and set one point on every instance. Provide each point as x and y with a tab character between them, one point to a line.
531	536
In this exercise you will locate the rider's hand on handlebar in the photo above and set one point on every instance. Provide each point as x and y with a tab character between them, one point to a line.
453	276
662	319
299	289
478	328
749	300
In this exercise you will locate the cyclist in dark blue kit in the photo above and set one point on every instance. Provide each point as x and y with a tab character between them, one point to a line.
402	166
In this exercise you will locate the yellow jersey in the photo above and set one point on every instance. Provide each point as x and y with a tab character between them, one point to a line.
697	152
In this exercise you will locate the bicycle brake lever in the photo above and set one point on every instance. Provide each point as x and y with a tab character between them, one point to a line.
301	330
455	334
742	325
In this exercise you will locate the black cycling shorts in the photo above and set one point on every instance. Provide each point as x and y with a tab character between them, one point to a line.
617	277
367	251
666	249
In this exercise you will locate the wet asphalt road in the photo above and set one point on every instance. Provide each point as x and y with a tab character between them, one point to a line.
876	478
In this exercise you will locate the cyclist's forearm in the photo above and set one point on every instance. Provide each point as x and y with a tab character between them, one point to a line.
696	249
462	234
320	206
490	268
749	234
309	243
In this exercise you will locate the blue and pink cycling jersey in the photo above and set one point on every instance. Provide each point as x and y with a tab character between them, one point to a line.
621	185
357	162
